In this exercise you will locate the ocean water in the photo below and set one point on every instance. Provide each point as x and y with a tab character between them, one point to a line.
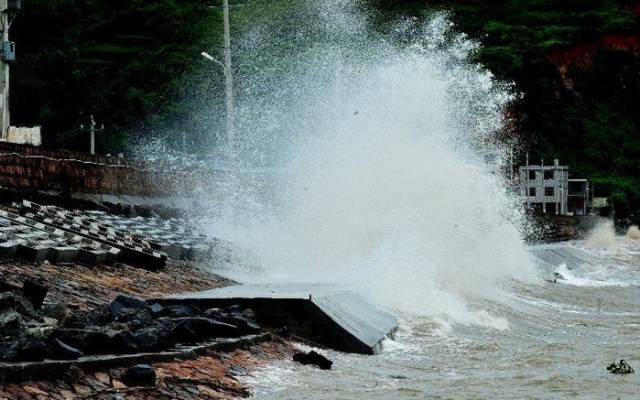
560	339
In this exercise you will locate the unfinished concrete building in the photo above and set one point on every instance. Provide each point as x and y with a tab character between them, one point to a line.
548	189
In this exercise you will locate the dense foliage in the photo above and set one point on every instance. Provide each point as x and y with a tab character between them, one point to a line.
576	64
135	65
120	60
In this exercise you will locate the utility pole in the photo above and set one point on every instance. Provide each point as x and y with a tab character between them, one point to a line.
92	131
228	76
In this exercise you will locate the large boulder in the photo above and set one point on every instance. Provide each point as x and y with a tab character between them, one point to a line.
152	338
192	330
140	375
13	301
11	323
23	349
128	309
244	320
181	311
313	358
98	341
125	304
31	350
59	312
622	368
35	292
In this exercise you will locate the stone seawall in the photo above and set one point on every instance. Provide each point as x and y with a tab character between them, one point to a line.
29	168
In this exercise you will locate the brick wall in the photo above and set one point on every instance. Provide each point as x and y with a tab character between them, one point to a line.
30	168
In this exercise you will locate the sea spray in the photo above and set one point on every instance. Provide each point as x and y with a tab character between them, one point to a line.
633	233
380	180
603	236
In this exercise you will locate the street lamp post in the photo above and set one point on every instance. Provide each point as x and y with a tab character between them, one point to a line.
228	74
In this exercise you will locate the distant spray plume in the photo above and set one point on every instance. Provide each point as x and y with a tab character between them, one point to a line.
603	236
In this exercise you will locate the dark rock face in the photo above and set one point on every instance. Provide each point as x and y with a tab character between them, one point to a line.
35	292
140	375
313	358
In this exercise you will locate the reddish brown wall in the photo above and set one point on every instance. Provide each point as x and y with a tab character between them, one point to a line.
32	168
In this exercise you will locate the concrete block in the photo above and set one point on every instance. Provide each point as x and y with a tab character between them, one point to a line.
92	257
33	253
8	249
62	255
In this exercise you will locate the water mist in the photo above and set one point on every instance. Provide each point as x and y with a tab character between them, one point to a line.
362	163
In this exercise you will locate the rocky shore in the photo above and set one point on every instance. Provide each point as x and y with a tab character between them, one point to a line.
72	331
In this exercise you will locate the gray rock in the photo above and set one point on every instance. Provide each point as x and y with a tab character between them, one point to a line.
313	358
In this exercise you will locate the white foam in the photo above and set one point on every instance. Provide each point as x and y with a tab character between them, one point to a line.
569	277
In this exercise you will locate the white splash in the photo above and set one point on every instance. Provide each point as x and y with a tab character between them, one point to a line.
633	233
386	188
603	236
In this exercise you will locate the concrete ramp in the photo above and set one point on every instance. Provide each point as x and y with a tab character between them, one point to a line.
555	254
320	314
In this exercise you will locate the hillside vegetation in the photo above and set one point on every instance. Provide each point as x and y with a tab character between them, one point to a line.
576	64
135	65
120	60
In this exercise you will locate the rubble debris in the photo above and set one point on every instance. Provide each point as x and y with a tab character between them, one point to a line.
82	288
621	368
209	375
97	318
140	375
126	326
313	358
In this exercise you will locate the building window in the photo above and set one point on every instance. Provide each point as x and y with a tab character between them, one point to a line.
548	191
532	192
548	175
532	175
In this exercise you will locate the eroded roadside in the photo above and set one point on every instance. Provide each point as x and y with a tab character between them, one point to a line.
80	299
